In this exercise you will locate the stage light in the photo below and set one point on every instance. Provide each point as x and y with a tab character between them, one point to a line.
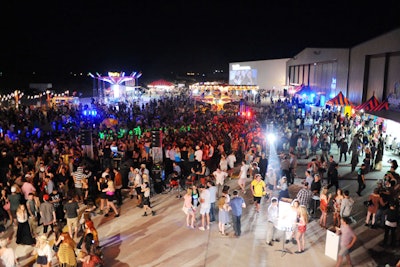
271	138
116	90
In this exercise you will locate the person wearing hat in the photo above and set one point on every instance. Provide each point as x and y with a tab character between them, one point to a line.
8	257
43	252
47	214
143	169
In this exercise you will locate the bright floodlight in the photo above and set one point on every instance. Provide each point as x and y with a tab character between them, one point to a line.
271	138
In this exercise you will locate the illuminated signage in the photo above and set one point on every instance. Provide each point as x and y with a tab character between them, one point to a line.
238	67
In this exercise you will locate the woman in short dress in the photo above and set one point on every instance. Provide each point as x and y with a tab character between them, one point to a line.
195	196
146	199
189	209
101	186
323	206
110	193
337	201
301	229
223	214
376	201
43	251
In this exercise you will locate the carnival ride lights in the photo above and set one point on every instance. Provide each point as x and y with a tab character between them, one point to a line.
116	77
117	81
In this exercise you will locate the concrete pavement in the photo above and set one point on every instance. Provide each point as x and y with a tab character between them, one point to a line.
164	240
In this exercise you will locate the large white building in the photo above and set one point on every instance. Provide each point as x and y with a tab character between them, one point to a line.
370	68
266	74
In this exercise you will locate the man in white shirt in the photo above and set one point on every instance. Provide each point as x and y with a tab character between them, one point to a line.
198	157
231	159
205	200
273	213
220	176
198	154
213	199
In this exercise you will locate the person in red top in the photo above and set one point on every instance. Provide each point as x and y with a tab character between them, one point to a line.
324	201
118	186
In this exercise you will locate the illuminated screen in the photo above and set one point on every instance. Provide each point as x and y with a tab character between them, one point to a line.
243	77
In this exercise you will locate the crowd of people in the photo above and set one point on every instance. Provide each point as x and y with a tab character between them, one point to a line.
47	172
320	190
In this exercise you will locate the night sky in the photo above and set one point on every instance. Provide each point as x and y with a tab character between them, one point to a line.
160	37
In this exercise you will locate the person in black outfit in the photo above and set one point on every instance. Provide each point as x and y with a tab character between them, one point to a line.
361	179
315	189
106	156
392	218
263	165
343	150
334	177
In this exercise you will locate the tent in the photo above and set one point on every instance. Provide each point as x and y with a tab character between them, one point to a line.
161	83
382	106
372	103
339	100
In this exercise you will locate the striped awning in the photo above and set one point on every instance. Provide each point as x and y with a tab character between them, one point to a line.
372	103
339	100
382	106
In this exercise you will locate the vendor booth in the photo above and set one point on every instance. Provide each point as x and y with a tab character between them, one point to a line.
341	102
370	104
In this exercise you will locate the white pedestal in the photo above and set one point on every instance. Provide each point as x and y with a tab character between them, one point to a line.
332	244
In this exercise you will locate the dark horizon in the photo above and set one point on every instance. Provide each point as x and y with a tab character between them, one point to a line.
163	39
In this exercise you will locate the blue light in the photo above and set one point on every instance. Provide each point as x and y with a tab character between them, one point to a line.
85	112
304	95
312	95
332	95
